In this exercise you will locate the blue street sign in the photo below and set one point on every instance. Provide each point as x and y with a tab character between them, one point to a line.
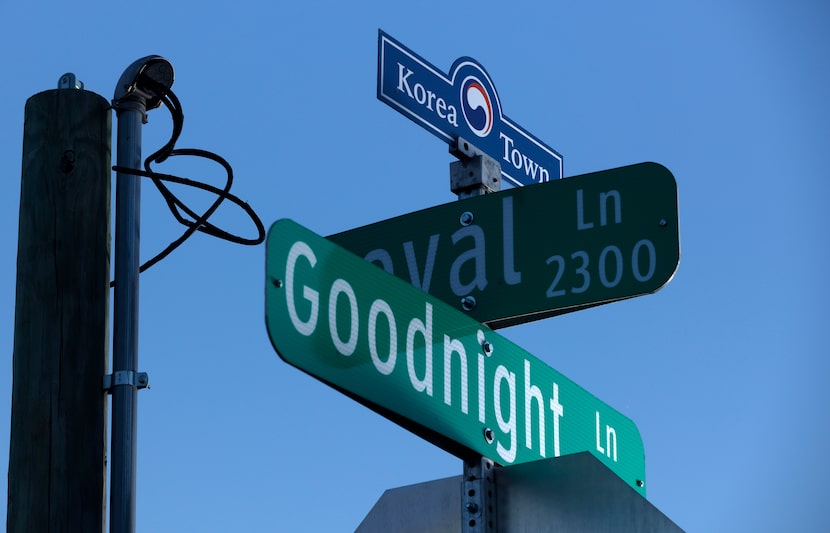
462	104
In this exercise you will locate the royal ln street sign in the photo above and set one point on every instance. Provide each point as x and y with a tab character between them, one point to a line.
429	367
532	252
463	103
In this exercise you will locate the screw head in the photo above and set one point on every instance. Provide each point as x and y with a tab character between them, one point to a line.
468	303
489	436
276	282
466	218
487	346
663	222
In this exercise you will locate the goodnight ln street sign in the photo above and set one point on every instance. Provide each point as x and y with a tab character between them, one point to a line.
429	367
463	103
529	253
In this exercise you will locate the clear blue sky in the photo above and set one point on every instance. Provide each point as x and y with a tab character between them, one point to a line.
724	370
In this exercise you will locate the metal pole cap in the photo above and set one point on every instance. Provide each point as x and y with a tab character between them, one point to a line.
146	79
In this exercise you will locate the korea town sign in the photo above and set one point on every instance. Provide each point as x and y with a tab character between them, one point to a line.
463	103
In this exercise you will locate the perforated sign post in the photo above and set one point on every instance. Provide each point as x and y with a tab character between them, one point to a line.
427	366
463	103
538	251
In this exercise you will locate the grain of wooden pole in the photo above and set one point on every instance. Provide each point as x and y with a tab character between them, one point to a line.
57	470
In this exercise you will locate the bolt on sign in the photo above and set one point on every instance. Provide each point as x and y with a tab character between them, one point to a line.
428	366
537	251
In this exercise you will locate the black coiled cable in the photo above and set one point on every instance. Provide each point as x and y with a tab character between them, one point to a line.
177	207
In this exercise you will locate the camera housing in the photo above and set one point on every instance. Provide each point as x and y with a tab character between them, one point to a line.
145	79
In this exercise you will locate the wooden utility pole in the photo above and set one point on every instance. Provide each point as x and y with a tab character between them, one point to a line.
57	462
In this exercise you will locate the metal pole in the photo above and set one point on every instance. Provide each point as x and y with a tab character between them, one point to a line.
135	93
475	174
130	114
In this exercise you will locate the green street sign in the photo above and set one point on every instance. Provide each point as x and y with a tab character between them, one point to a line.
537	251
427	366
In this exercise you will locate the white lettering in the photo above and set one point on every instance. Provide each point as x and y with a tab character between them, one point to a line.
533	395
420	93
482	399
580	213
425	329
383	259
469	269
516	159
610	449
611	442
452	346
476	254
635	260
521	161
339	287
301	249
403	77
582	270
511	277
425	97
600	449
452	115
429	264
430	99
507	425
380	307
441	108
508	146
559	261
558	412
610	267
603	266
501	387
603	207
531	167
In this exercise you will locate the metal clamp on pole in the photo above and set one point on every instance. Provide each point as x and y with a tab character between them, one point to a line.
478	497
139	380
475	173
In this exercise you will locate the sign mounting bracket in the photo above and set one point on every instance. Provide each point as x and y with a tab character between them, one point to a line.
475	173
478	498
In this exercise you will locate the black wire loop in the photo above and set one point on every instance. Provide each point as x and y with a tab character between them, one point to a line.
195	222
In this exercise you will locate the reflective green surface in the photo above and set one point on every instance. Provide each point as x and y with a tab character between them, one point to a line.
536	251
427	366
